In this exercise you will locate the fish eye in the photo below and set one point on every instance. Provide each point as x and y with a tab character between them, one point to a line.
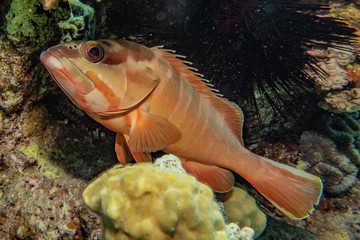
92	51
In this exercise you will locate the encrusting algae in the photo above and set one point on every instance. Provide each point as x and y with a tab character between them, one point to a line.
30	28
46	166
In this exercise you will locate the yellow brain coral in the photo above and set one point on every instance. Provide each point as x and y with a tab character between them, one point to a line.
143	202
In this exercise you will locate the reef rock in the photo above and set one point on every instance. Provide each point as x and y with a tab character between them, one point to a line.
16	75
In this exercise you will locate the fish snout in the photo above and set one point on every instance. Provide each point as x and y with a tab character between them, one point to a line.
65	72
50	61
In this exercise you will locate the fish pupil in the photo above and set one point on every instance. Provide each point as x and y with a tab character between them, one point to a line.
92	52
95	52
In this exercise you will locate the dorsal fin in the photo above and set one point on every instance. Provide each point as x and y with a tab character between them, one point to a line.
231	112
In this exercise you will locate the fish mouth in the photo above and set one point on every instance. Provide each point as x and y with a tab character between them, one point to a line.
55	68
51	62
66	73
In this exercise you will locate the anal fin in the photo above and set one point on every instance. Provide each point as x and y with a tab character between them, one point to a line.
219	179
150	133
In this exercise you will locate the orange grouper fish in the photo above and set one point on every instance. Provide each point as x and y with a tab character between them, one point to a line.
155	101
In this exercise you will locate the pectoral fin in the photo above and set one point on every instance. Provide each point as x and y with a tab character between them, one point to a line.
150	133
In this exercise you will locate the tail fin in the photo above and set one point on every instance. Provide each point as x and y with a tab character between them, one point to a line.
293	191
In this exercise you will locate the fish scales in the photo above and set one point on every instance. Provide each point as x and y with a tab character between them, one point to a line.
193	118
195	115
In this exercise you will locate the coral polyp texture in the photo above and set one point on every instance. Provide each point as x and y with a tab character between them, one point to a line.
143	202
340	79
321	158
235	233
342	101
341	64
334	65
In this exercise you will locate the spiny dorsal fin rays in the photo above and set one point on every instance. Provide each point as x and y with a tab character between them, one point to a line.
231	113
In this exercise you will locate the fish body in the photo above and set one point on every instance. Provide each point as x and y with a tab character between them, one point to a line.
153	101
